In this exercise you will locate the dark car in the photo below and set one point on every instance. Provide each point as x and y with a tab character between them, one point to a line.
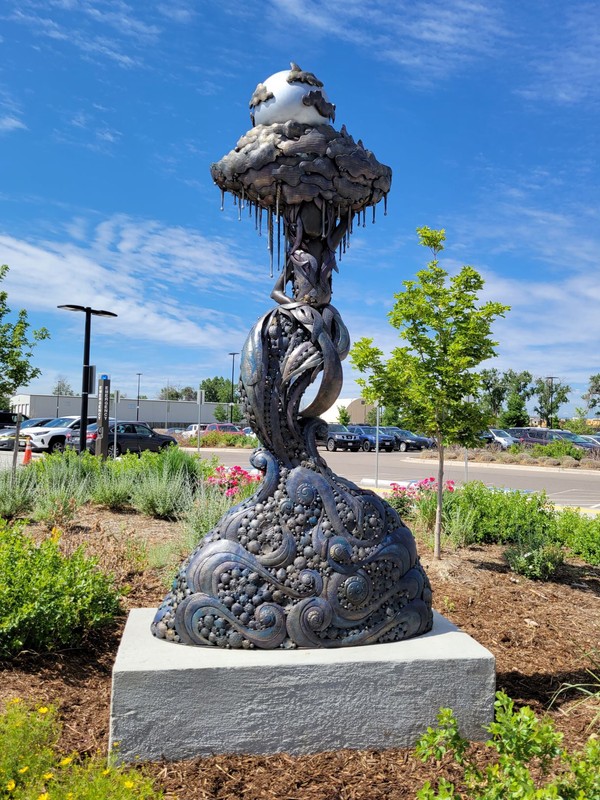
405	440
339	437
132	437
368	437
8	419
531	436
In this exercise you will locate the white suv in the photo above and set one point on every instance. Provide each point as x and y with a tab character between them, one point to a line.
52	436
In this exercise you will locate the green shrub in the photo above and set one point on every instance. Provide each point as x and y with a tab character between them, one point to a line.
17	493
216	439
503	517
557	449
49	600
520	741
162	494
580	534
113	488
534	558
31	767
67	465
58	499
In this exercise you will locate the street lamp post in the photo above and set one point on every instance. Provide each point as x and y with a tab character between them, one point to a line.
137	407
85	377
550	381
233	355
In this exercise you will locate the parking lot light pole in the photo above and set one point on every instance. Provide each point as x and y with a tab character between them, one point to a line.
550	382
233	355
85	377
137	407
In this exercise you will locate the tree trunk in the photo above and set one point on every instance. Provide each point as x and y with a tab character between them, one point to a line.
437	537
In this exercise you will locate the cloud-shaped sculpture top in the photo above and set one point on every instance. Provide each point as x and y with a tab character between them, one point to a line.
293	95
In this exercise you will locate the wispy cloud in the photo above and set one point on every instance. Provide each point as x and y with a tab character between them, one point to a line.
427	41
567	70
158	278
8	124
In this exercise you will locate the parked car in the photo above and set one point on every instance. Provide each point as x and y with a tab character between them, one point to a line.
132	437
8	419
595	440
192	430
543	436
405	440
498	437
221	427
53	436
575	439
368	437
7	435
338	436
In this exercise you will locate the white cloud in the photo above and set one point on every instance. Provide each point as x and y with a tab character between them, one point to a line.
158	279
427	40
9	123
567	70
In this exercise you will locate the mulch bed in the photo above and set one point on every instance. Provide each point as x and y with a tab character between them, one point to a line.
540	633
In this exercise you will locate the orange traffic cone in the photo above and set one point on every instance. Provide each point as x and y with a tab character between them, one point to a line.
27	453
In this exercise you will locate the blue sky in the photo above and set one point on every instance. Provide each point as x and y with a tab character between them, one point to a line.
111	113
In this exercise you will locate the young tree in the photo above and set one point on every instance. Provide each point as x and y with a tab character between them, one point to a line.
550	396
62	387
519	382
494	391
188	393
592	396
16	349
343	416
516	414
221	413
169	393
217	390
433	376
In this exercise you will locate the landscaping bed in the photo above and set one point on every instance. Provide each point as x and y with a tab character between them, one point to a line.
540	633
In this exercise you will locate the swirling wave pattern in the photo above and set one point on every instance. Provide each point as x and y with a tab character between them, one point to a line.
311	560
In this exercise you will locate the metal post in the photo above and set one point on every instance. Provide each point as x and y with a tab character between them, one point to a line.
85	380
85	377
200	398
233	355
377	413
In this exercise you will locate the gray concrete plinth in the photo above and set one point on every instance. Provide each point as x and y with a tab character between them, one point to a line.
176	702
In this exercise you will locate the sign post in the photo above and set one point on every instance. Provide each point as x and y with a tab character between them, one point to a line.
103	416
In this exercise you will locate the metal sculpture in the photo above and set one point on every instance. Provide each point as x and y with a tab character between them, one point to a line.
310	560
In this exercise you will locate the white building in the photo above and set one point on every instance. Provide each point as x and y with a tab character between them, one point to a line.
157	413
355	406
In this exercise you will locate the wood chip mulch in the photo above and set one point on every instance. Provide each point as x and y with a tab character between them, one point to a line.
542	635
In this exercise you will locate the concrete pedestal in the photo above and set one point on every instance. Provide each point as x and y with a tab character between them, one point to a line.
176	702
